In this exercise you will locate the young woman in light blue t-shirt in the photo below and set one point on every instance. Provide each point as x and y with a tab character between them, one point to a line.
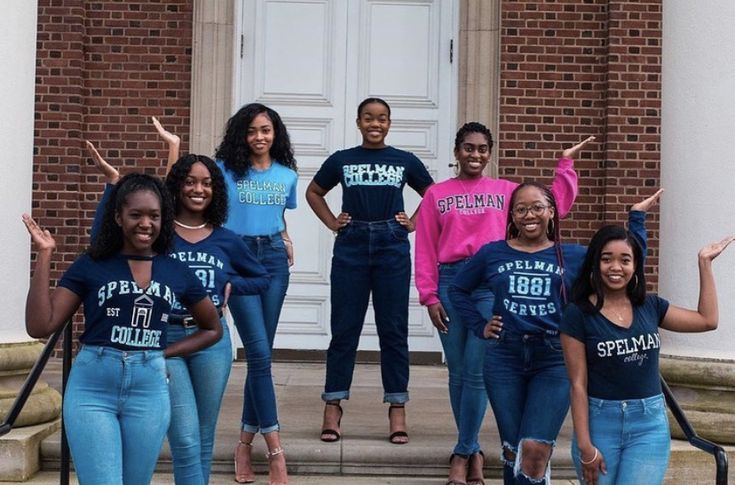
257	161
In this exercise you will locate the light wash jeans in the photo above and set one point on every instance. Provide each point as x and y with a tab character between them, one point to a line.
116	413
633	437
256	319
196	383
465	354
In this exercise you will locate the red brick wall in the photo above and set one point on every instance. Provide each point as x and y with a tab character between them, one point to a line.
103	69
570	69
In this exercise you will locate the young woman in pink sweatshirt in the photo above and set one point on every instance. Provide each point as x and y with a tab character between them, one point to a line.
456	218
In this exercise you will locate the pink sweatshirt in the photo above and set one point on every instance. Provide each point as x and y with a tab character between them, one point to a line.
458	217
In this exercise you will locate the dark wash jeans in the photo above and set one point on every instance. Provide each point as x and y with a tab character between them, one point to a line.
528	388
369	257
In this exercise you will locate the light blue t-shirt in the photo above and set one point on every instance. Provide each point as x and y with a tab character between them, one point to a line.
258	199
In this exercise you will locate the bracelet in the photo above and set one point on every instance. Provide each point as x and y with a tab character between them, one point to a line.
594	457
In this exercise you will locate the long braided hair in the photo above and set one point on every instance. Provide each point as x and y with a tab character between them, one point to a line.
553	230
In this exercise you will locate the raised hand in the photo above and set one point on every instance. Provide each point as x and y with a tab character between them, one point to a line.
108	171
172	140
648	202
573	151
711	251
41	237
167	136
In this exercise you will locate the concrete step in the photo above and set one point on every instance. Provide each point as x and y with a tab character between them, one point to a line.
364	453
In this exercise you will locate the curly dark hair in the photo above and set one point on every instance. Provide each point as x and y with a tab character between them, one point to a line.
216	211
367	101
589	280
234	150
473	127
110	238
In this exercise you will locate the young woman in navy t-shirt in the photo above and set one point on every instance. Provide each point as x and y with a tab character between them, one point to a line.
116	405
220	259
611	347
371	255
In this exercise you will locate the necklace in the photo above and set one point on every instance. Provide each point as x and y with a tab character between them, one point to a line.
616	313
185	226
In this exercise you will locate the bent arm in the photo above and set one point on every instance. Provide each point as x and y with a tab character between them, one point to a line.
46	312
315	197
706	316
469	278
209	332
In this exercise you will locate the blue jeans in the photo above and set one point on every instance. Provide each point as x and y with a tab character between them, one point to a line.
116	413
633	437
256	319
528	388
197	384
465	354
369	257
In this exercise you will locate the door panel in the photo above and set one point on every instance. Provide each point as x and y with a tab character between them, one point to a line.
313	61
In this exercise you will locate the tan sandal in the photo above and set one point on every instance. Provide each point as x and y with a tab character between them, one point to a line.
270	456
242	476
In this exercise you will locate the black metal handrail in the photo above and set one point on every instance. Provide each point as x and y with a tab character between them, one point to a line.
30	383
695	440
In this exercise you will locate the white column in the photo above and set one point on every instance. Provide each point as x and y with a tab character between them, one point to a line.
17	83
698	164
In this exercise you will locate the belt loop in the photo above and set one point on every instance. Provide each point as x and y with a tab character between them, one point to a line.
100	350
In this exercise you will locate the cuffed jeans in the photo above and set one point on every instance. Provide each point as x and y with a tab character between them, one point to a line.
116	413
369	257
528	388
633	438
465	354
196	383
256	319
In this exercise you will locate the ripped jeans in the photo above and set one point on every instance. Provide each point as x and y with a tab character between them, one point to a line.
528	388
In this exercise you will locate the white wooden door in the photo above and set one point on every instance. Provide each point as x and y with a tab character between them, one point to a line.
313	61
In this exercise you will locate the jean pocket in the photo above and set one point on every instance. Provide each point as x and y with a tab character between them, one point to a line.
85	357
399	233
278	244
553	342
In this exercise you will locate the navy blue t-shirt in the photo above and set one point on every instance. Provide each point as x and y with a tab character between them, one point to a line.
219	258
622	363
373	180
119	314
527	286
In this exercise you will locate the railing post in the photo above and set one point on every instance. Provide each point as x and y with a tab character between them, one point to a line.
695	440
65	368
